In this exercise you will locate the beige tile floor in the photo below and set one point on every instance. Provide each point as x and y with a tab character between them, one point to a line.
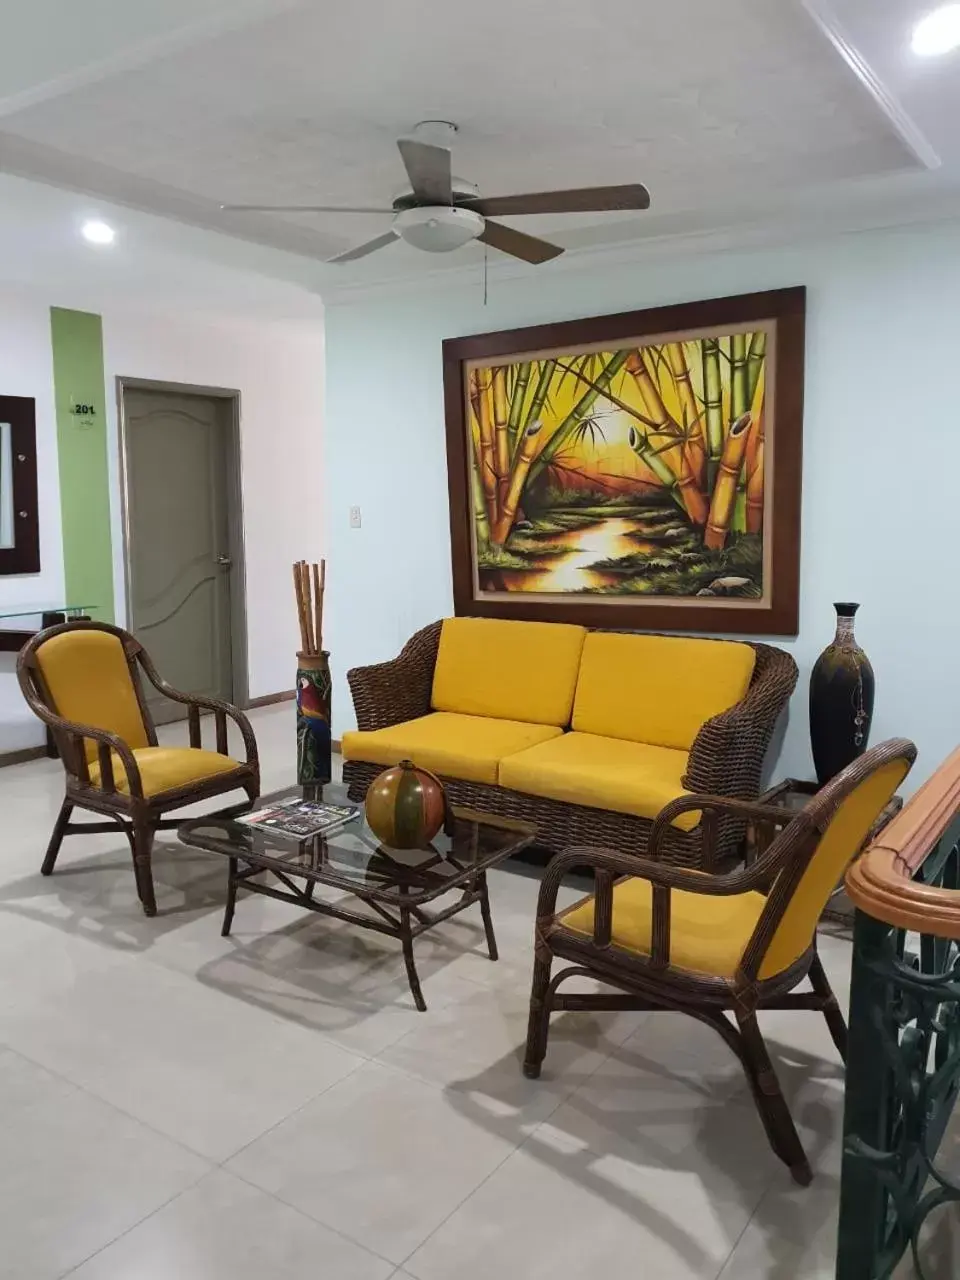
179	1106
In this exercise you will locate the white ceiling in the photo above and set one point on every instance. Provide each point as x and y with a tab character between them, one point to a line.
737	112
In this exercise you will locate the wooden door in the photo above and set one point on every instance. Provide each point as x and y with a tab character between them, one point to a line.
178	450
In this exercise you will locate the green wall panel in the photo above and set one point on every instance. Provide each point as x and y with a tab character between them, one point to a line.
77	339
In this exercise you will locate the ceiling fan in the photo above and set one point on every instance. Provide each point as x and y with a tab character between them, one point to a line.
439	212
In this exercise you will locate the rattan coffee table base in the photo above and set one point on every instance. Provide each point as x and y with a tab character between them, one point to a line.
405	925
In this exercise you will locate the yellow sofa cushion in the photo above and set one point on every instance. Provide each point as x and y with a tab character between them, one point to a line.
708	934
89	681
507	670
657	689
456	746
604	773
166	768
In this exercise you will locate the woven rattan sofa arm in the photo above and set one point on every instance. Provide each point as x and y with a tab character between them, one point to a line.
196	703
728	752
388	693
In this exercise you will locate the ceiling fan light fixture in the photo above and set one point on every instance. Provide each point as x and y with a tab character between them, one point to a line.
938	32
438	228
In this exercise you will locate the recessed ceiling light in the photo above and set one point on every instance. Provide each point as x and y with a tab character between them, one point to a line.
98	232
938	32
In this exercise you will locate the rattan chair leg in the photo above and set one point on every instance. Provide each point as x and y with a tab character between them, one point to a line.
831	1006
770	1101
141	840
538	1027
56	838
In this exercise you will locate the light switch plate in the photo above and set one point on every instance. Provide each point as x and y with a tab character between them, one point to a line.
355	518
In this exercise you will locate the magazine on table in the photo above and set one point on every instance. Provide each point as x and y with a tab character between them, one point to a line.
298	819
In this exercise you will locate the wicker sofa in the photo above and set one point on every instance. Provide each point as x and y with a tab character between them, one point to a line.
500	710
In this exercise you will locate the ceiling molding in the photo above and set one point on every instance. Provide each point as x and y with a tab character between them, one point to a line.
823	14
732	239
242	13
50	165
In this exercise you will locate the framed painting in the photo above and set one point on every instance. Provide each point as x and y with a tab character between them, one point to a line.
638	471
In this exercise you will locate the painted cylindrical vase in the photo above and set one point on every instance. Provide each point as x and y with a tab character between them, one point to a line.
313	717
842	688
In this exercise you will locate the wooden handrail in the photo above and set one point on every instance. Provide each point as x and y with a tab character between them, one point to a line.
881	881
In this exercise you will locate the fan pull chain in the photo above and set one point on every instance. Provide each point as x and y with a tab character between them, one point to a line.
484	275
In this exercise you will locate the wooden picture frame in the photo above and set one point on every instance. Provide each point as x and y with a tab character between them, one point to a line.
19	525
638	471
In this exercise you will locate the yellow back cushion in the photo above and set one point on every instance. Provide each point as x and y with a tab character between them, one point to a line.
839	845
657	689
87	675
508	670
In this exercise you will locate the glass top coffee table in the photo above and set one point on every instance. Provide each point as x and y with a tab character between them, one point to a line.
395	886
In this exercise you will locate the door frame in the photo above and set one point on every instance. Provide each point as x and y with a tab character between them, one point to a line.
235	522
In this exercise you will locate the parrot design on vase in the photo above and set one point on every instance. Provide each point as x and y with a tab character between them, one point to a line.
313	726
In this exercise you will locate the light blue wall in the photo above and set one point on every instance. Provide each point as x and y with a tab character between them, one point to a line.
881	454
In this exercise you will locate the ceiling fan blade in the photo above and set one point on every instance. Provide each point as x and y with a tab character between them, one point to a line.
299	208
517	244
580	200
362	250
428	169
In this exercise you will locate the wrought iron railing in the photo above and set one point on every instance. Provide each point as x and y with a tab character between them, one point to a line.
897	1197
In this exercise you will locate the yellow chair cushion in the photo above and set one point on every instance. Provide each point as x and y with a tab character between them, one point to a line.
166	768
507	670
708	934
88	679
839	845
604	773
657	689
467	747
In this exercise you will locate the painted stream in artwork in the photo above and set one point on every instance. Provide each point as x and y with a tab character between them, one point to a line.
581	548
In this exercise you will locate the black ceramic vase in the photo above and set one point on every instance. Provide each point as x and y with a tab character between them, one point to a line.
841	699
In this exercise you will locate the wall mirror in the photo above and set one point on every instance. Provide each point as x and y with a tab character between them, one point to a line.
19	538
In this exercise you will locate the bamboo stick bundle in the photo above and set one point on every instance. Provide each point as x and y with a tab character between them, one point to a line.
724	498
320	586
308	605
754	469
301	608
673	456
309	585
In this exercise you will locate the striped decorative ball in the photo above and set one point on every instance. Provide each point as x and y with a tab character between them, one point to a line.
405	806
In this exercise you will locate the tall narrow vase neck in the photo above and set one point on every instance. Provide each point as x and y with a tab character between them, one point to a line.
845	619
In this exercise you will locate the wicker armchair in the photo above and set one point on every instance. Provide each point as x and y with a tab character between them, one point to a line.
82	679
726	760
713	946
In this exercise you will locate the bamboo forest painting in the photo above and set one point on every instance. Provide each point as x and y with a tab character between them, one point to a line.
635	471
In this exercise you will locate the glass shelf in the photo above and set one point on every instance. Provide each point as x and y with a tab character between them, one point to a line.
38	610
